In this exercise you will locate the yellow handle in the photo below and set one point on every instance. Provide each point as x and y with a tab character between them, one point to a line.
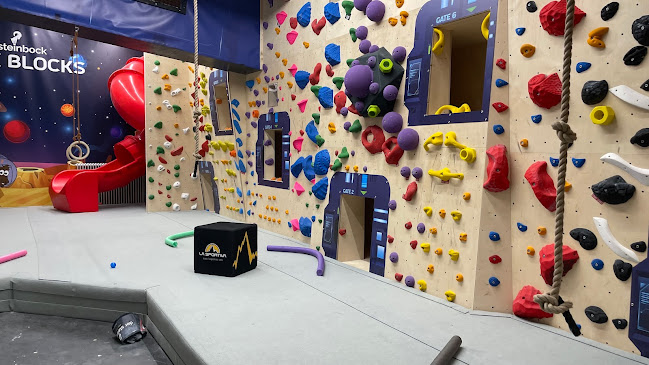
485	26
435	139
438	48
445	174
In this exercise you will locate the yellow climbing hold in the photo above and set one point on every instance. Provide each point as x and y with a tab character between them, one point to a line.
332	127
392	21
265	90
286	211
468	155
602	115
450	295
167	87
404	17
457	215
284	61
435	139
425	246
484	27
281	74
528	50
230	190
430	269
463	236
530	250
355	168
442	213
464	108
445	174
191	69
454	255
428	211
466	196
595	37
277	54
347	167
459	277
208	127
258	80
567	187
422	285
451	141
165	77
541	230
277	30
438	251
306	44
432	230
524	142
438	47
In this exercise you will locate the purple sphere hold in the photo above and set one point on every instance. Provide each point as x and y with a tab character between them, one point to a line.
364	168
374	48
392	122
347	125
405	172
394	257
361	4
399	54
358	80
359	105
375	11
344	111
417	173
347	93
374	88
392	204
354	154
355	63
371	61
361	32
364	46
410	281
390	92
408	139
421	228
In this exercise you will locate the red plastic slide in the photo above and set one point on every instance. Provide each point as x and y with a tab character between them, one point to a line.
76	190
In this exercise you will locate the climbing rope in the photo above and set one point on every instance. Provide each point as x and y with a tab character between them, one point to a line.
551	302
197	113
75	151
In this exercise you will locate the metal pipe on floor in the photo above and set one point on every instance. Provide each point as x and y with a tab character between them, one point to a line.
448	352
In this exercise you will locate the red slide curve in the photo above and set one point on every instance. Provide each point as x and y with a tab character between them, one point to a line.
77	191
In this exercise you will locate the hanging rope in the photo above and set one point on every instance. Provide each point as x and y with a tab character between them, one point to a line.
75	151
551	302
197	112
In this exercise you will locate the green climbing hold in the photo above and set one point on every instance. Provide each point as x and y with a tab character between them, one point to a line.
174	72
158	90
319	140
158	125
348	5
317	206
349	61
177	134
318	247
356	126
184	89
202	75
320	221
307	205
337	165
168	187
159	150
310	193
156	62
338	81
150	163
343	153
151	197
177	174
151	178
177	108
316	118
176	167
386	65
352	33
315	89
168	204
373	111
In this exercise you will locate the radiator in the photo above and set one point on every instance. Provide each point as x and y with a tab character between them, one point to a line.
133	193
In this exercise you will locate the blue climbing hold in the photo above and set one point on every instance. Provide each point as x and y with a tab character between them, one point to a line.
501	83
235	102
240	193
304	14
307	167
254	203
521	227
520	31
493	281
236	125
499	129
250	84
321	162
320	188
582	66
326	97
537	118
289	225
305	226
236	115
302	78
240	210
296	167
313	218
242	167
332	12
248	212
113	265
597	264
494	236
240	154
578	162
312	131
248	193
554	161
239	141
332	54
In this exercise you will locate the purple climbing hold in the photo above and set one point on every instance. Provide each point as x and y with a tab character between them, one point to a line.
359	105
399	54
394	257
390	92
354	154
248	115
393	203
410	281
408	139
267	79
355	63
417	173
256	92
361	32
265	24
269	45
347	125
371	61
249	163
258	103
269	161
271	110
361	4
364	168
358	80
392	122
421	228
248	153
375	11
265	68
344	111
364	46
268	142
374	88
374	48
405	172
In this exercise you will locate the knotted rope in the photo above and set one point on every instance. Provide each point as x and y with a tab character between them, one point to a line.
197	112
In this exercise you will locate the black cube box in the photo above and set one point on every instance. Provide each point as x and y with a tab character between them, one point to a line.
225	249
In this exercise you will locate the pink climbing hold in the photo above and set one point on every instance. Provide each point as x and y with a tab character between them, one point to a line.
295	224
299	189
291	37
292	70
410	192
297	143
281	16
302	105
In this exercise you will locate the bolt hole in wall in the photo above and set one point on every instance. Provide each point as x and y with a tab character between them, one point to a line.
273	150
355	230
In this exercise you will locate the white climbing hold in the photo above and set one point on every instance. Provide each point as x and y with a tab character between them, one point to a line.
150	129
167	104
631	96
150	146
167	145
182	159
640	174
194	177
156	70
185	130
161	168
602	227
184	196
176	92
176	184
176	207
194	206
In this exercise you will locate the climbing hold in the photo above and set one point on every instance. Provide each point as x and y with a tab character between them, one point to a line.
411	190
498	129
631	96
307	167
404	17
524	142
495	259
530	250
542	184
499	62
501	83
641	138
326	97
375	11
582	66
497	169
313	134
422	285
302	105
450	295
464	108
639	246
408	139
586	238
578	162
445	174
439	251
527	50
537	118
321	162
408	225
554	161
297	143
609	10
520	31
541	230
596	314
597	264
332	53
297	166
332	127
459	277
635	56
493	281
338	81
425	247
158	90
364	47
620	323
602	115
392	151
442	213
455	255
417	173
413	244
428	211
531	6
410	281
386	65
398	277
553	17
399	54
500	107
421	228
521	227
393	122
545	91
320	188
392	204
435	139
332	12
329	70
463	237
546	259
377	141
524	305
613	190
302	79
640	30
457	215
605	232
593	92
392	21
494	236
430	269
304	14
595	37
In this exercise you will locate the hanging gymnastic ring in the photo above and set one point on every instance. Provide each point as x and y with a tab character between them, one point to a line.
77	144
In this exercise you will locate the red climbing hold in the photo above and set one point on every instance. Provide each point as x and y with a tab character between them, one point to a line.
162	160
495	259
339	100
524	305
342	231
390	239
330	71
314	78
546	258
398	276
177	151
501	63
317	25
408	225
392	151
159	192
500	107
545	91
301	132
377	139
497	169
293	22
410	192
293	96
413	244
352	109
553	17
542	184
169	139
201	128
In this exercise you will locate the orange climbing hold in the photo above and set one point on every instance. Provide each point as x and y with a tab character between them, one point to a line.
306	44
595	37
393	21
528	50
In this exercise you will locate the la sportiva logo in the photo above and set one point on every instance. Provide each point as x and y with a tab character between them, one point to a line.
19	56
212	250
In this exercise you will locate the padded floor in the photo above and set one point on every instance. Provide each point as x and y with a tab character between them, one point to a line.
281	312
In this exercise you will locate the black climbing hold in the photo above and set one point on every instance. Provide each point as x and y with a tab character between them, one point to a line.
641	137
645	86
620	323
639	246
622	270
596	314
609	10
613	190
586	238
594	92
635	56
208	137
640	30
531	6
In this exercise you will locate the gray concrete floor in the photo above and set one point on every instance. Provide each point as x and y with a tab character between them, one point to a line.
31	339
281	312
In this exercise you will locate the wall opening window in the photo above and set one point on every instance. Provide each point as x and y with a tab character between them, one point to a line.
272	150
272	95
220	103
273	154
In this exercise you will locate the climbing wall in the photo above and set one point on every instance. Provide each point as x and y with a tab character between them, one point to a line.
584	284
